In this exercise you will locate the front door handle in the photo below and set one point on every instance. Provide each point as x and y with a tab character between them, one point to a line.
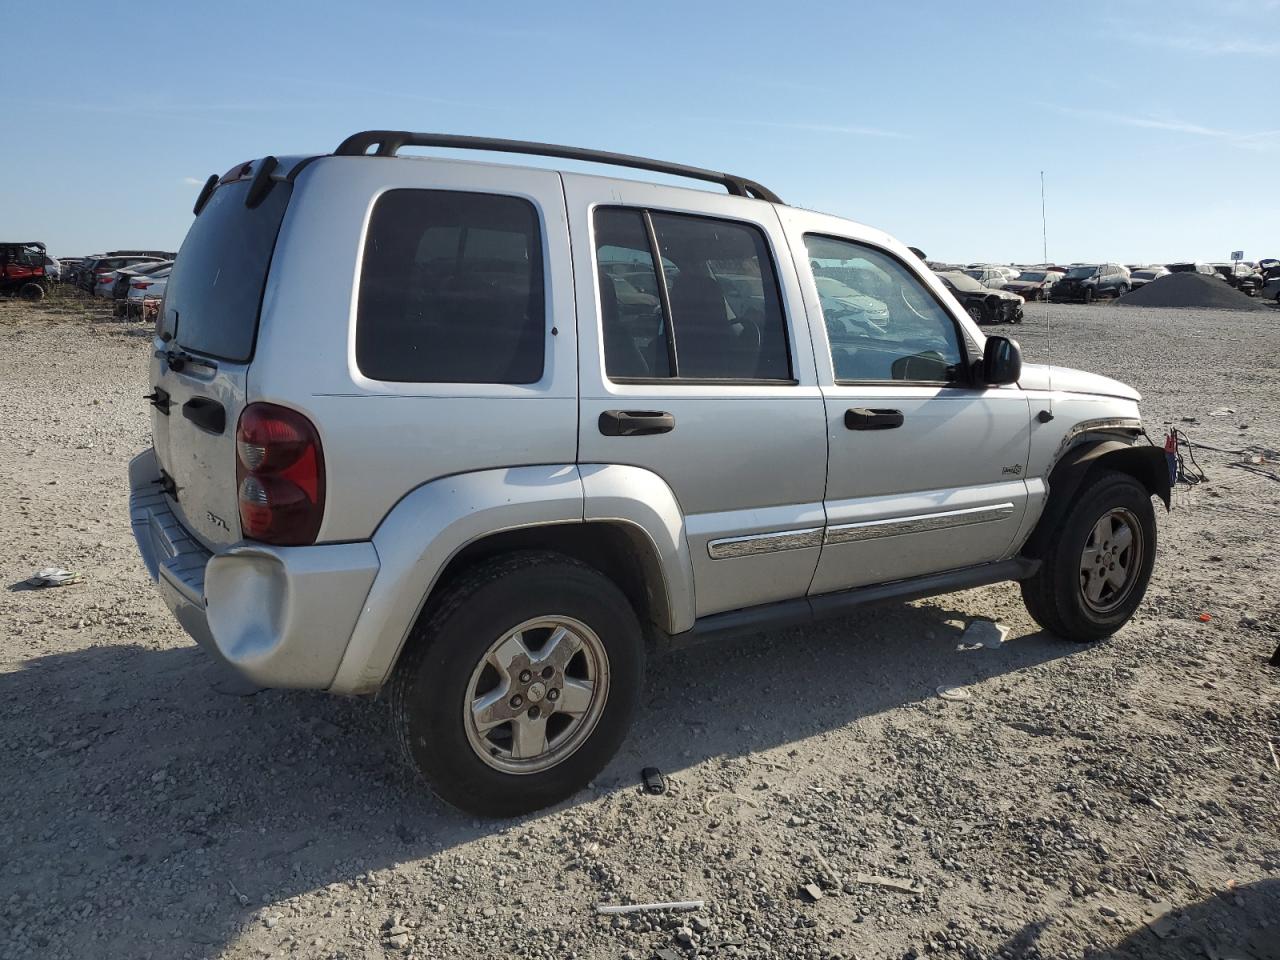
860	418
635	423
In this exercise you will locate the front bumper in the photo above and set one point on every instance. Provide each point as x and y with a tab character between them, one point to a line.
279	616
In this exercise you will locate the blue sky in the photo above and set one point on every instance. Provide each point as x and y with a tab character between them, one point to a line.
1153	120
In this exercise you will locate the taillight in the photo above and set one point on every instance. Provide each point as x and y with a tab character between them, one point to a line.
279	475
140	284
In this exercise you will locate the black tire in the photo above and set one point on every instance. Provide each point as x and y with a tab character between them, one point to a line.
1088	295
1121	291
1055	596
31	292
975	314
429	686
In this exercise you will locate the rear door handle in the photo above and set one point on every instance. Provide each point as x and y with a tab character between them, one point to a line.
635	423
206	414
860	418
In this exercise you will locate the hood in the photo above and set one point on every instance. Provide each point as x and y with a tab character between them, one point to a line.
1037	376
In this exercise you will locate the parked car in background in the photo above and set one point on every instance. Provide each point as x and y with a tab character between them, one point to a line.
125	275
1190	266
1144	275
103	276
144	287
983	304
52	269
1090	281
1032	284
1271	289
22	271
1243	276
992	277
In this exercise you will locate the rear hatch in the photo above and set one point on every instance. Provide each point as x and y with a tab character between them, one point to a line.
204	343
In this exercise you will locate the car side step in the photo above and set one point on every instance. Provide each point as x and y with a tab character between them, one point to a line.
791	613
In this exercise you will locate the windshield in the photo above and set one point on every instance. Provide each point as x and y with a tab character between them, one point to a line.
1031	276
1079	273
215	289
1144	274
962	282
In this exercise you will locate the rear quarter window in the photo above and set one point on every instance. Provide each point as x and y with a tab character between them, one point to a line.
452	290
215	289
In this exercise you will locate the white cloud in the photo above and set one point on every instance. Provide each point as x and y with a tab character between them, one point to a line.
1210	47
193	181
1259	140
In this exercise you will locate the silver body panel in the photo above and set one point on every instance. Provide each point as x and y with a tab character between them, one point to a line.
759	494
711	460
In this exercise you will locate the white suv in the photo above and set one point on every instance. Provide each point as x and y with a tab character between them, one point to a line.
485	435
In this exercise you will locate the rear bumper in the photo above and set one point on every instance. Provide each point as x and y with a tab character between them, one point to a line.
280	616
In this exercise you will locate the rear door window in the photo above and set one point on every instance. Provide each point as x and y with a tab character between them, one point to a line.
452	290
688	297
215	289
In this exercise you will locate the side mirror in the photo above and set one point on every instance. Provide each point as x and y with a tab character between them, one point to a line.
1001	361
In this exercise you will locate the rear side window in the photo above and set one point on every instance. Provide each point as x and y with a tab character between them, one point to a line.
451	290
688	297
215	289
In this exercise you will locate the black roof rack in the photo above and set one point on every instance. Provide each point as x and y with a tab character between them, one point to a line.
390	141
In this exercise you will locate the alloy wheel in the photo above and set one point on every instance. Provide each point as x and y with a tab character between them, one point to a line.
536	695
1111	560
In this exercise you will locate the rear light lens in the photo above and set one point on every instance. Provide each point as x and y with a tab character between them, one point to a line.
140	284
279	475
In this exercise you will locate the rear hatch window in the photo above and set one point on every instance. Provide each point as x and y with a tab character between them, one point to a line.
215	289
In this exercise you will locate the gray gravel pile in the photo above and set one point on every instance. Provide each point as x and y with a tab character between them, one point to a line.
1191	290
1118	799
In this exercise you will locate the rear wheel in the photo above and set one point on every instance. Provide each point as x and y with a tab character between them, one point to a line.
31	292
1121	290
1096	569
518	684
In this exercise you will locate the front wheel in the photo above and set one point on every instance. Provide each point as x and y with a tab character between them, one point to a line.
31	292
975	312
1098	563
1088	294
518	684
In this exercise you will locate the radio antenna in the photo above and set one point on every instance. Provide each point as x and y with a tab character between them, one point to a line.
1046	415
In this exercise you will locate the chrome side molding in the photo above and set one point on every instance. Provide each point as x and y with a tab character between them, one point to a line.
729	548
897	526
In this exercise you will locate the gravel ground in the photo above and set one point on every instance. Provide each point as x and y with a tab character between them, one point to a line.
1119	799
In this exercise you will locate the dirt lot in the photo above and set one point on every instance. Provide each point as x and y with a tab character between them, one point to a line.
1112	800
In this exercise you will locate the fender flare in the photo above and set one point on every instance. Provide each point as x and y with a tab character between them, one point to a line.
433	523
1146	464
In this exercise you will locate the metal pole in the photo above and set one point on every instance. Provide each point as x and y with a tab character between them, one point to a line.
1044	230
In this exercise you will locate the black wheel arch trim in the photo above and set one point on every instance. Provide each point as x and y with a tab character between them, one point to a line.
1146	464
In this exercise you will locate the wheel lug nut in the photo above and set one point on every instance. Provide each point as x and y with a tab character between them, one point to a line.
553	694
517	701
534	713
547	672
525	676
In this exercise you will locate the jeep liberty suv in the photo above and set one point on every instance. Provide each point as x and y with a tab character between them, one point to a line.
484	435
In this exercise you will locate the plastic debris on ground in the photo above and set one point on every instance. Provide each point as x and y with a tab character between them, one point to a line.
53	577
953	693
983	633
